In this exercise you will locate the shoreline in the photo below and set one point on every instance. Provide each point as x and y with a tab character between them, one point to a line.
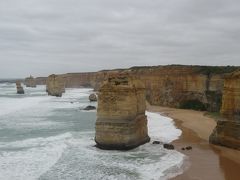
205	161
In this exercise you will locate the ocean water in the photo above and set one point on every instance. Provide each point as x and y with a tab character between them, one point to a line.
48	138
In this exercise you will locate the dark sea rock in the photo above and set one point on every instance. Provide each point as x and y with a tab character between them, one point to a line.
189	148
156	142
88	108
168	146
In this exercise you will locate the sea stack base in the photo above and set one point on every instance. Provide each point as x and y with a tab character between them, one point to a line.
122	135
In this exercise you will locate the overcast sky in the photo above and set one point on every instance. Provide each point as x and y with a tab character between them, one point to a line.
41	37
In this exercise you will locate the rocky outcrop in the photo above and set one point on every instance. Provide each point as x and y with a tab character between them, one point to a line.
30	82
88	108
178	86
78	80
20	89
121	120
55	85
182	86
93	97
41	80
231	97
227	132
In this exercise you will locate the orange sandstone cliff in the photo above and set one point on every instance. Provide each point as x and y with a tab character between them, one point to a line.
231	97
41	80
190	87
179	86
227	132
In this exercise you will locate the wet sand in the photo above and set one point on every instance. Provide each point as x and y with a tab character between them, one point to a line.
205	161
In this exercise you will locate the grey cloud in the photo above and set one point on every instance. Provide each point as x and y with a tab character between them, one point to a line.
40	37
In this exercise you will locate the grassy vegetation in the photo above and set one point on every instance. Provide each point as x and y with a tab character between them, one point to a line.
199	69
215	69
214	115
193	104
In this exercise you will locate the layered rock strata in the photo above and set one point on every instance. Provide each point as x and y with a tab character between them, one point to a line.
55	85
121	121
30	82
78	80
20	89
178	86
227	132
41	80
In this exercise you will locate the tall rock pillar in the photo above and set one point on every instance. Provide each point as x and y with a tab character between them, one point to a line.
55	85
30	82
19	87
227	132
121	121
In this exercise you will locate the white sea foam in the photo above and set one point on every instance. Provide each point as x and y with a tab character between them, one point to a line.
162	128
145	162
73	155
12	105
33	158
84	161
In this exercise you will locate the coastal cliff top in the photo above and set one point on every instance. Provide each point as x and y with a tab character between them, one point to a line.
125	82
235	74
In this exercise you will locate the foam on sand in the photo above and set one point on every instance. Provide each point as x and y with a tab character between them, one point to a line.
162	128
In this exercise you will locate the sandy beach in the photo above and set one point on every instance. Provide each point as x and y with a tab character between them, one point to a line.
205	161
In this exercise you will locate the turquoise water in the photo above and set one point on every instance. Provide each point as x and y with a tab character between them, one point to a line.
44	137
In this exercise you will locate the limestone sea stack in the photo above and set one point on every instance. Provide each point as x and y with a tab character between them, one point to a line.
20	89
30	82
55	85
121	121
227	132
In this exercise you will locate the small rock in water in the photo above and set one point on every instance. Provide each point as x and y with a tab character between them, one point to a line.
93	97
156	142
168	146
89	108
183	148
189	148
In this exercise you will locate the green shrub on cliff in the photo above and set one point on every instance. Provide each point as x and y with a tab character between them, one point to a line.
193	104
215	69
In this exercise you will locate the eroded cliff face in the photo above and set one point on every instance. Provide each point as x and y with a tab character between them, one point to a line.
227	132
183	87
176	86
41	80
231	97
30	82
55	85
121	120
190	87
77	80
